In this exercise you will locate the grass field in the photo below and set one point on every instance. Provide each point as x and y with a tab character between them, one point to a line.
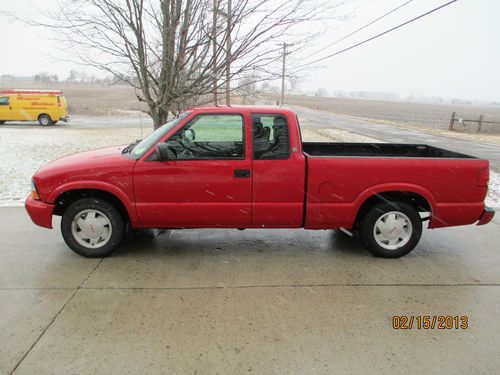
120	99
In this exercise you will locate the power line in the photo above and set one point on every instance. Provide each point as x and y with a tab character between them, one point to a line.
362	27
378	35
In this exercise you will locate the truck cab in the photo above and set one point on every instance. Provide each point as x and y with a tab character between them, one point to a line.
209	172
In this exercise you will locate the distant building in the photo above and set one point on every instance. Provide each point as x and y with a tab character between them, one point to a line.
8	78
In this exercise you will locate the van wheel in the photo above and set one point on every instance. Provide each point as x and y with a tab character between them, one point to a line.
391	230
92	228
45	120
2	122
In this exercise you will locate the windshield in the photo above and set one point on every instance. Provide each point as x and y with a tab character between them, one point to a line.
155	136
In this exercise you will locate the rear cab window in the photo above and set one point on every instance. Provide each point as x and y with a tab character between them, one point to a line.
271	137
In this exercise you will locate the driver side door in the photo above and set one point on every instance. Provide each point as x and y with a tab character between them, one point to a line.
206	180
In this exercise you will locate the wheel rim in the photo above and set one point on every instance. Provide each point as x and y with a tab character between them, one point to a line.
44	120
91	228
392	230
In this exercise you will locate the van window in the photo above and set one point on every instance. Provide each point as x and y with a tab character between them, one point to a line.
4	100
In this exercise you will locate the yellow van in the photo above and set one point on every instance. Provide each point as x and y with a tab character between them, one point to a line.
45	106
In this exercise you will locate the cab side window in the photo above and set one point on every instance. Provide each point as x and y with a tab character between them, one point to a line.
271	140
4	100
209	137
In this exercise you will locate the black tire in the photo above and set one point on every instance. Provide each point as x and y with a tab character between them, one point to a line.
2	122
410	233
45	120
54	122
105	212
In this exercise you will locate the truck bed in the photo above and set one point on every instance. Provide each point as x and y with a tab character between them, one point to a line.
385	150
340	176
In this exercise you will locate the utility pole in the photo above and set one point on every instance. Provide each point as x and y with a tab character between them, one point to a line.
214	47
283	73
228	52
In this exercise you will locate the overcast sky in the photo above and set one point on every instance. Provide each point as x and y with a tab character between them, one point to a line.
452	53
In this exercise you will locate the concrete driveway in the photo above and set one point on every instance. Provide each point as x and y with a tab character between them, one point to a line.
259	301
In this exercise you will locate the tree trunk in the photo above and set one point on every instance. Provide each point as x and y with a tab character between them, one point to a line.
160	116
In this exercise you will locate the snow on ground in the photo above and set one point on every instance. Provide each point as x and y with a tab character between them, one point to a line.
493	198
23	150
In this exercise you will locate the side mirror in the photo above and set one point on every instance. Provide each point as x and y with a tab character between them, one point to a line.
162	151
190	135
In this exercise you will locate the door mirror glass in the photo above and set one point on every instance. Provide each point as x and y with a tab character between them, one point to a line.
189	135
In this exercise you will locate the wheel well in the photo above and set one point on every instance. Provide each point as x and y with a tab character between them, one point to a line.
67	198
43	114
418	202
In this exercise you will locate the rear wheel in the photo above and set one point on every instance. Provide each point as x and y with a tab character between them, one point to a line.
391	230
92	227
45	120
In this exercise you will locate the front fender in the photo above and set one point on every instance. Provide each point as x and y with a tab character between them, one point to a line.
98	185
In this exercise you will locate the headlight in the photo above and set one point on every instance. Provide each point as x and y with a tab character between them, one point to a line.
34	192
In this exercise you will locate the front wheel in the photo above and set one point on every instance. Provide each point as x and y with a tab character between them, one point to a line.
391	230
92	228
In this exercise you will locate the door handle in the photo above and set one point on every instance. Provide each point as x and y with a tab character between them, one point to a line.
242	173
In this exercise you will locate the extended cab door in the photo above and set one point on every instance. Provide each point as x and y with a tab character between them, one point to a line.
278	171
206	181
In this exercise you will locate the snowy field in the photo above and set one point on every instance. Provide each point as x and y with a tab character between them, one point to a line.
24	149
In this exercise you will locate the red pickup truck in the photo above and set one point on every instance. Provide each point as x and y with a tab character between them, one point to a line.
247	167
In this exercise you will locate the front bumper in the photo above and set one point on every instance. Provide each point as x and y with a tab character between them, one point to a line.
486	216
40	212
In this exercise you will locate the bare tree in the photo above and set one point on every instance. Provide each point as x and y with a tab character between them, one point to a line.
172	51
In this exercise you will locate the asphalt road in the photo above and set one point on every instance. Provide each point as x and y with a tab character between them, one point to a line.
259	301
133	120
400	135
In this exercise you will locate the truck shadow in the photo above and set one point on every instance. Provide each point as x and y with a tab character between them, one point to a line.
345	244
179	243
